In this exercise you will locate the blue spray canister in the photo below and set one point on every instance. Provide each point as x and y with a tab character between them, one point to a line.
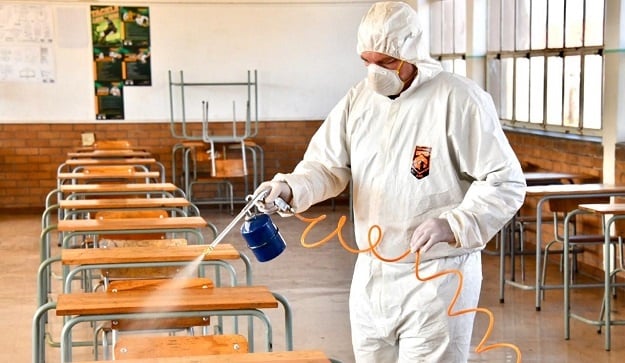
262	237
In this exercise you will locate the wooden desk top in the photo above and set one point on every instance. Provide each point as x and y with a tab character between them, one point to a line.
117	161
304	356
120	153
604	208
548	177
90	256
114	187
121	224
145	301
111	175
81	204
573	189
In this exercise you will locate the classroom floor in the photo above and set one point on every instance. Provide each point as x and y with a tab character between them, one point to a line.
316	283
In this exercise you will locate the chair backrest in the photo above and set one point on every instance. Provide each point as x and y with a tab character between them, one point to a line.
112	145
561	206
159	286
131	347
148	240
566	205
226	160
113	274
109	169
148	213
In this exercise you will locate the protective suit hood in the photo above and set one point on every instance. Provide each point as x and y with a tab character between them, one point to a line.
393	28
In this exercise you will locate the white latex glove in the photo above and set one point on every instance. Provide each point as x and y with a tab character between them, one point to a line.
275	189
430	232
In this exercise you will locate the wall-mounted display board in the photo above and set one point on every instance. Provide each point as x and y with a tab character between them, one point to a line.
121	55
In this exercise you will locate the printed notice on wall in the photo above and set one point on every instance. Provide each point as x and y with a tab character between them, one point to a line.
26	43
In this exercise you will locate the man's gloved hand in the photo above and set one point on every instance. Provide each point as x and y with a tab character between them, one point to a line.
275	189
430	232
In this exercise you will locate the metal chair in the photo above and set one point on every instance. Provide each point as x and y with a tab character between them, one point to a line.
559	209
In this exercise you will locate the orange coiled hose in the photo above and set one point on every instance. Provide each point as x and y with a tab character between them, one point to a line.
481	347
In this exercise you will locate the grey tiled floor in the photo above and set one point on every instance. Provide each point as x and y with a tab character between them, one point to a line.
316	283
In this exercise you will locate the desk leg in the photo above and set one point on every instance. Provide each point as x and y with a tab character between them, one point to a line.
607	282
539	238
502	265
567	291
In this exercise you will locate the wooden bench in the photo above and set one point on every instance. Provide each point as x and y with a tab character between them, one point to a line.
126	175
303	356
133	347
113	153
138	257
83	256
157	286
129	224
117	161
146	163
117	203
76	227
118	188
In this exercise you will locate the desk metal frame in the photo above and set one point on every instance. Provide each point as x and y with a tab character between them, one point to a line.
607	284
564	191
66	332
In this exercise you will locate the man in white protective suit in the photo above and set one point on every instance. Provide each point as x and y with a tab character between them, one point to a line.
432	167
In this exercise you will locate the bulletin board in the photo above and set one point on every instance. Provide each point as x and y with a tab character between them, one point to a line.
304	54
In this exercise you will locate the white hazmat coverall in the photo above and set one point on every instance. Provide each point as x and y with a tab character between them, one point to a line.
435	151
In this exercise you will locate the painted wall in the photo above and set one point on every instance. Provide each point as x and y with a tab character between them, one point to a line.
304	53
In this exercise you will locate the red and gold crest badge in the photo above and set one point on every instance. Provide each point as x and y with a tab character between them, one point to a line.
421	162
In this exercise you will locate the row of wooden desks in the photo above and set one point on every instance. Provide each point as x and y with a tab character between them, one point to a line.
234	300
74	198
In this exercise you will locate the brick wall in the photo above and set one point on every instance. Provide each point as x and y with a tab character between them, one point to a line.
31	153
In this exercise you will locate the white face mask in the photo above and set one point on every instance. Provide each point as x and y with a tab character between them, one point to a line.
384	81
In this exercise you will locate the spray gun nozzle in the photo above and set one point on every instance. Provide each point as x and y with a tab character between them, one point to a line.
208	250
283	206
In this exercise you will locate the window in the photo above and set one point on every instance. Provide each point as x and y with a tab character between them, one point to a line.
545	63
448	34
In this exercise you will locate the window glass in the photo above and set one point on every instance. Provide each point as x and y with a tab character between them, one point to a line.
507	29
593	70
539	24
522	24
545	63
555	21
435	28
574	24
460	67
507	82
460	26
593	32
554	90
493	82
521	102
572	72
494	29
448	26
537	82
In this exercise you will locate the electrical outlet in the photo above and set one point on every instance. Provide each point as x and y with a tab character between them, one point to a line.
88	138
